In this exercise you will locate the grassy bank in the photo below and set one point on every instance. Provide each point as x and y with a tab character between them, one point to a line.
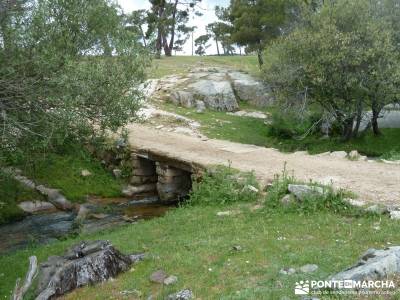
195	244
12	193
183	64
247	130
60	169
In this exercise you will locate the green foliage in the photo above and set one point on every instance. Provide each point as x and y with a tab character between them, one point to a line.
223	186
332	201
343	59
246	130
62	169
57	74
289	125
201	44
256	23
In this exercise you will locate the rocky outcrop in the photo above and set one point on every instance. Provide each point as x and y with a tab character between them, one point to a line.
216	95
216	88
251	90
373	265
83	264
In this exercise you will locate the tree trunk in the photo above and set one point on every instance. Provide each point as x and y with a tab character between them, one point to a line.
260	58
348	128
172	40
158	44
374	121
216	42
167	50
143	36
159	31
359	118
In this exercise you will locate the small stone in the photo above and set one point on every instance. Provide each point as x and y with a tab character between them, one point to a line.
353	202
237	248
158	276
181	295
354	155
251	188
224	213
339	154
378	209
159	126
256	207
170	280
395	215
287	200
99	216
117	173
302	191
287	271
85	173
309	268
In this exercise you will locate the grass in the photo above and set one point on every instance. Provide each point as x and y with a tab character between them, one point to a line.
200	251
248	130
182	64
270	241
61	168
12	193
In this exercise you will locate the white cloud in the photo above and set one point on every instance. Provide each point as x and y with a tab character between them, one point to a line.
206	7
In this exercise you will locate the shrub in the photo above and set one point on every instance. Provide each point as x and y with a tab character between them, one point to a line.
289	124
338	59
332	201
223	186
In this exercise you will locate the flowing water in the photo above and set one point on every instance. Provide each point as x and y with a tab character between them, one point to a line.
105	214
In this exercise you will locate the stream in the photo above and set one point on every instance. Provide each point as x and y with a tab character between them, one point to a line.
103	214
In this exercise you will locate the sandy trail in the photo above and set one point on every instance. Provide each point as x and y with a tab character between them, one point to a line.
371	181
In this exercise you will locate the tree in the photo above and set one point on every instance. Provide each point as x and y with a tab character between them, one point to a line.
136	22
344	60
201	44
57	79
169	18
257	22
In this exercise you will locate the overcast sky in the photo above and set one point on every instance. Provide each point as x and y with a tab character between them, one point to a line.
207	8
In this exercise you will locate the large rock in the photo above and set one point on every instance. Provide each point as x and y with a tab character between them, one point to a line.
301	191
183	98
250	90
36	206
55	197
131	190
217	95
373	265
83	264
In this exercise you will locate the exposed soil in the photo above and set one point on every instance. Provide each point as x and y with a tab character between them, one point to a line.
371	181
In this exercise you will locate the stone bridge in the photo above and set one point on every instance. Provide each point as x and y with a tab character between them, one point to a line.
164	162
169	178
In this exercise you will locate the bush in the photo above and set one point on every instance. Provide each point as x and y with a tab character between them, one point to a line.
337	59
65	66
288	124
331	201
223	186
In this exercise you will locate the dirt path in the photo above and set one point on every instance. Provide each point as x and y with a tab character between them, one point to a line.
372	181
